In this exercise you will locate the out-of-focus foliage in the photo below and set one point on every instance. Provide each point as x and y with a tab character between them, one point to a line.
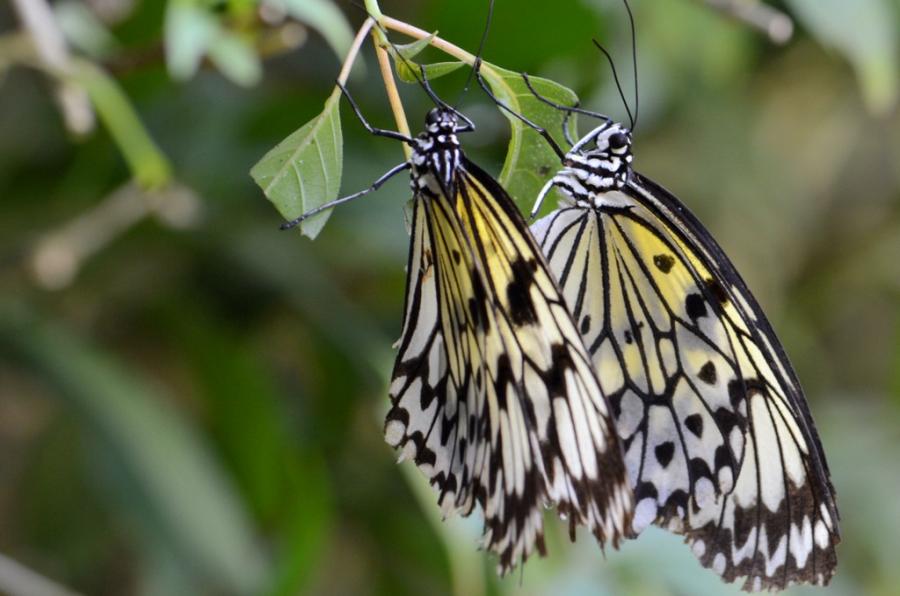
191	400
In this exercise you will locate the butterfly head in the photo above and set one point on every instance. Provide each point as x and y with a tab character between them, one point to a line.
598	163
436	152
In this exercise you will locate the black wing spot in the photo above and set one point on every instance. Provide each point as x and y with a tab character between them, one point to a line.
629	338
707	373
456	256
663	262
585	324
561	362
737	392
664	453
478	304
517	292
694	423
717	290
695	306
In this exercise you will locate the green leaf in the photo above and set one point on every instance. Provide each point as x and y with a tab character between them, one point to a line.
409	71
324	17
235	58
864	32
530	161
304	170
192	32
412	49
149	166
181	496
84	30
189	29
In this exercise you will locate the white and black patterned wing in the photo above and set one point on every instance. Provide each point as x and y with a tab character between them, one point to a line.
519	417
719	441
427	421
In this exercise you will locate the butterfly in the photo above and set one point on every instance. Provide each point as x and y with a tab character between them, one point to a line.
719	442
493	394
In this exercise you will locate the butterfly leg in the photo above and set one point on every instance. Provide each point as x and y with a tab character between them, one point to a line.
538	129
558	106
325	206
379	132
565	128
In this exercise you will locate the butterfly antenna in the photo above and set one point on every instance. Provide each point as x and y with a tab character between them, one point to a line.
612	65
477	62
633	62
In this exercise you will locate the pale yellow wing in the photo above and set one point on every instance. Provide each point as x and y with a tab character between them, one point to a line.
494	394
719	441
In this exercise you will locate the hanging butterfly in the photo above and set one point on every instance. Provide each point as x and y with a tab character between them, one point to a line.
493	393
719	442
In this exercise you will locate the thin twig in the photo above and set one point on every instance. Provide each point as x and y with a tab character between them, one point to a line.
384	64
436	42
347	66
776	25
58	255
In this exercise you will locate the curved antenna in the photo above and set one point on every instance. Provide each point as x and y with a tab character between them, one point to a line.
612	65
477	63
634	67
537	128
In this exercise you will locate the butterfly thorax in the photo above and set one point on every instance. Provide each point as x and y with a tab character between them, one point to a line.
597	164
436	153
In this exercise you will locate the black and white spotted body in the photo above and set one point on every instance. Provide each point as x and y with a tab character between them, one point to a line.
599	162
436	152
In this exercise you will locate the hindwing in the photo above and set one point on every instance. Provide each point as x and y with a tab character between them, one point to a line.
719	442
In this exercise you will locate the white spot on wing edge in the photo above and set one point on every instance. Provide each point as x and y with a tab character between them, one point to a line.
821	533
644	515
719	564
699	548
393	432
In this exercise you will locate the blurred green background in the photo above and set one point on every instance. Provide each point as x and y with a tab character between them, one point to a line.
191	400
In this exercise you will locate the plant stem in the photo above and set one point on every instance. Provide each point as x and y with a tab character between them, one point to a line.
353	52
384	64
441	44
375	13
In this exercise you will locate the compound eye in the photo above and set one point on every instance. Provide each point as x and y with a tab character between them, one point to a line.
617	141
433	117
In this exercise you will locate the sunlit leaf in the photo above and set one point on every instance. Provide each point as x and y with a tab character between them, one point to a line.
236	59
189	29
323	16
304	170
179	495
84	30
530	161
865	32
192	32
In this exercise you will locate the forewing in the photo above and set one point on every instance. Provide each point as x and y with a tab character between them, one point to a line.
531	425
428	421
700	388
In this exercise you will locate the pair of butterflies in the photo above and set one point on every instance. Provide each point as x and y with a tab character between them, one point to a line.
609	362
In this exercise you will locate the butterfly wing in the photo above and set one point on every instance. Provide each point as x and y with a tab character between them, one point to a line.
493	394
719	441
